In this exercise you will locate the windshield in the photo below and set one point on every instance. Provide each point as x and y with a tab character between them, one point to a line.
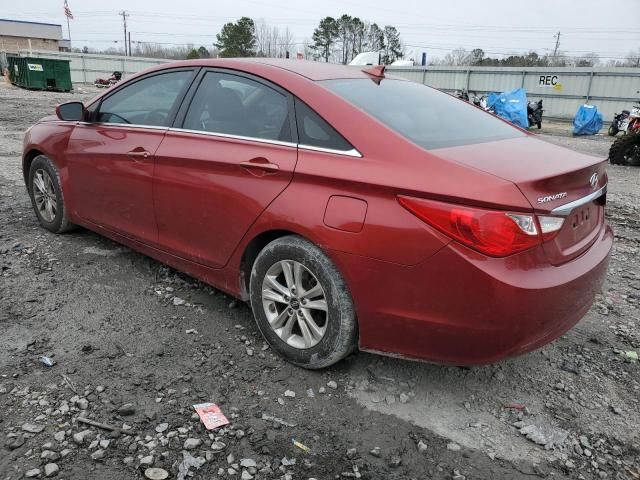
424	115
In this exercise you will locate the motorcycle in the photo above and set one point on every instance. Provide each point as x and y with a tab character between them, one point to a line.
534	113
462	94
619	123
108	82
626	150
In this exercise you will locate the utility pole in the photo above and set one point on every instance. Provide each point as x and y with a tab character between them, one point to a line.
555	50
130	44
124	22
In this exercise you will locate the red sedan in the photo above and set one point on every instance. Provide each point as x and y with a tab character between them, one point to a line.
350	209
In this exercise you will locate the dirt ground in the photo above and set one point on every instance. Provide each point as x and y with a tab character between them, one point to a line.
131	355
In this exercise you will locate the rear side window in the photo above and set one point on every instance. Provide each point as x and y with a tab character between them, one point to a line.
428	117
313	131
146	102
235	105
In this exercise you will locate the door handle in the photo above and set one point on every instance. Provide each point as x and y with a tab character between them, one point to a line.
138	153
260	164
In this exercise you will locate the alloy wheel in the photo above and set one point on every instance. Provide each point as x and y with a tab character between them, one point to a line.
295	304
44	194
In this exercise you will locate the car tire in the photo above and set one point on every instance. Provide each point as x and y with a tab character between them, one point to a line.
626	151
306	336
46	195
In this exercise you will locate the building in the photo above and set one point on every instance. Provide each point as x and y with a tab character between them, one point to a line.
16	35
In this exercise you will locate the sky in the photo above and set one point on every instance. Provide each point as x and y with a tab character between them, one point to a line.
499	27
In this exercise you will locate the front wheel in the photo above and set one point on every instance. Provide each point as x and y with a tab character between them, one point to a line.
613	130
46	195
301	303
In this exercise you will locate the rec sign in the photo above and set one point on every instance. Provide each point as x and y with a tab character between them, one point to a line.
548	80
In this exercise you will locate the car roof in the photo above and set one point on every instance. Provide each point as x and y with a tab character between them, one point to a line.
310	70
313	70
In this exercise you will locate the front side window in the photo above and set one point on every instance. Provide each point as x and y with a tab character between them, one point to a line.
146	102
234	105
425	116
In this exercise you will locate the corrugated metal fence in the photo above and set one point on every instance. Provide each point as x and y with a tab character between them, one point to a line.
86	67
563	89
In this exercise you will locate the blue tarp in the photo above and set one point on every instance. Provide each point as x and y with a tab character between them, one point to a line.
588	120
512	106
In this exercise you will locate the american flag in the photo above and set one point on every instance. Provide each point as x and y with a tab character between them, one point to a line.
67	10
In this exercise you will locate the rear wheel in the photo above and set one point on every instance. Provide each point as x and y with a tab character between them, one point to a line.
626	151
46	195
301	303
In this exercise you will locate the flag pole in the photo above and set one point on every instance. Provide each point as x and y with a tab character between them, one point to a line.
69	33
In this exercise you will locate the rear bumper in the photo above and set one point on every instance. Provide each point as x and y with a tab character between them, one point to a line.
464	308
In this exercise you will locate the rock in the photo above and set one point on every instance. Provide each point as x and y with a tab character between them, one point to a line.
288	462
422	447
15	442
100	388
32	427
82	403
404	398
50	469
177	301
34	472
218	447
246	475
395	461
352	453
331	384
570	465
156	474
148	460
49	455
162	427
548	436
376	452
59	436
65	452
290	394
191	443
127	409
98	454
453	446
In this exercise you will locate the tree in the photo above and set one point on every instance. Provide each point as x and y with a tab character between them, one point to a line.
477	54
237	39
393	47
192	54
203	52
325	36
344	32
374	38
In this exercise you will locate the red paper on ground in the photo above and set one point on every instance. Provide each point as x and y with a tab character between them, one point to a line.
211	415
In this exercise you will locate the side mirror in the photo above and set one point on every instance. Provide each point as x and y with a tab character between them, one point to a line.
71	111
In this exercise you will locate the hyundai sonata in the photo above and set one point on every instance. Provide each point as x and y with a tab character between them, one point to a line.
351	209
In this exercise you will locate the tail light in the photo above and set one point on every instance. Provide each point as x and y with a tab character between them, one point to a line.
493	232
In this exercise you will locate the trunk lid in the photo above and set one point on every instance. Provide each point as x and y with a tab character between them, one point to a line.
549	177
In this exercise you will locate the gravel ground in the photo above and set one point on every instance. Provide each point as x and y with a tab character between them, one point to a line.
130	354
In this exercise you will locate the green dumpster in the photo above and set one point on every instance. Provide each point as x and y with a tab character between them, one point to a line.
40	73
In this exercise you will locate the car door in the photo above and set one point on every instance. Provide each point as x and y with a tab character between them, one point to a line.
230	153
111	157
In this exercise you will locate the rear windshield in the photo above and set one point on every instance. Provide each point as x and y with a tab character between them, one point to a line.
426	116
